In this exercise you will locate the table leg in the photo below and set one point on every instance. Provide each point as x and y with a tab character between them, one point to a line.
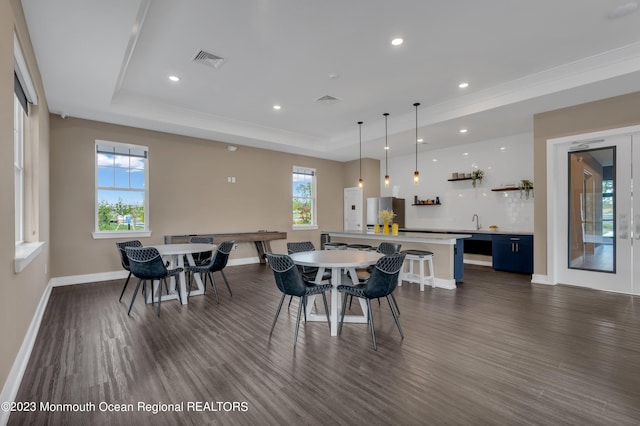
336	277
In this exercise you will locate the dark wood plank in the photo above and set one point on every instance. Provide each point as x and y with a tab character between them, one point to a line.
497	350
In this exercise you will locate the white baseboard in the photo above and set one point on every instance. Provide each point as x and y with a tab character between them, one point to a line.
478	262
541	279
122	274
11	386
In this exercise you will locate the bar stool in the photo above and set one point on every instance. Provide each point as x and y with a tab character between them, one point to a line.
361	247
335	246
420	256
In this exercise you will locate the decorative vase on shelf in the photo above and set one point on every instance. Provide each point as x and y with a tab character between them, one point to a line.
376	229
385	228
394	229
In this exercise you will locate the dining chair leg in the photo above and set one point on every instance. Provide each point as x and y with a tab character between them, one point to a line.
135	293
295	339
203	277
373	332
326	309
125	287
344	308
395	317
226	282
213	284
290	300
395	303
189	290
350	300
178	291
304	307
160	294
277	313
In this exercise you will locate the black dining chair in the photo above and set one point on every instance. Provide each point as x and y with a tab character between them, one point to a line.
216	264
381	283
147	265
308	272
124	260
291	282
204	257
385	248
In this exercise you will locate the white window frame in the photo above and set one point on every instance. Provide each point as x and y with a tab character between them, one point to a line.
314	198
146	232
18	167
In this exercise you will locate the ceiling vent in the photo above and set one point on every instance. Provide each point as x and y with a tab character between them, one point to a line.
328	100
208	59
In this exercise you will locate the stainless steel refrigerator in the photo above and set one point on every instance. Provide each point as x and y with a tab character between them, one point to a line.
374	205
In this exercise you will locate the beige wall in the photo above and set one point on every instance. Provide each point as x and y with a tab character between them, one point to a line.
188	192
21	292
620	111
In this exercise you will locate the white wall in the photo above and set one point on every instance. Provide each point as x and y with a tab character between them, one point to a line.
459	199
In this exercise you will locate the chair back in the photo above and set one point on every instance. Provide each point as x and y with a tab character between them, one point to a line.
384	277
205	256
222	256
300	247
388	248
146	263
288	277
124	260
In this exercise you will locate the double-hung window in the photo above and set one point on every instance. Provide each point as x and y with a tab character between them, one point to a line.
19	112
304	198
122	182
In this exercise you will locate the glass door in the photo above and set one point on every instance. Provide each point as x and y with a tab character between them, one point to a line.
595	213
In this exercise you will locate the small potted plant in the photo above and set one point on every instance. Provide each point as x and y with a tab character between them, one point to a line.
476	175
525	187
386	216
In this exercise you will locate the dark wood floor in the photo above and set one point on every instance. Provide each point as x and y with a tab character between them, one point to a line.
497	350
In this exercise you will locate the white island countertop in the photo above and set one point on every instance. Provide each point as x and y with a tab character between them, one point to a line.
415	237
499	231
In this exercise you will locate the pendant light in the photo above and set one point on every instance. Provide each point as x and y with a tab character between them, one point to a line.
360	181
416	174
386	149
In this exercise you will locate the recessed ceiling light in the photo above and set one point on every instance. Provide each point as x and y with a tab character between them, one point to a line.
463	130
466	154
502	148
420	140
174	78
232	148
397	41
463	85
386	147
277	107
435	160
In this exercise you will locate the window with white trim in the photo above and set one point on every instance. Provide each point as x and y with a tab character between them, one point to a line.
122	183
18	165
304	197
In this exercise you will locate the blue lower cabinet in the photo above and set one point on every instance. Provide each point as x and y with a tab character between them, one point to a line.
513	253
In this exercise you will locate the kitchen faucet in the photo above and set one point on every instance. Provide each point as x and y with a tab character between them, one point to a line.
477	220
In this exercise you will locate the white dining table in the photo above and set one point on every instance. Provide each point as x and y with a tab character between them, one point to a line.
337	261
175	254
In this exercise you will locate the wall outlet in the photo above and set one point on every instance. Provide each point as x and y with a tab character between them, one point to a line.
235	247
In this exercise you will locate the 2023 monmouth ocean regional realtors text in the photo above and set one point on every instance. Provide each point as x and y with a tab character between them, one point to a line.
140	406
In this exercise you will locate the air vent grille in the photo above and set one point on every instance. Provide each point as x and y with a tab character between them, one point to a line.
208	59
328	100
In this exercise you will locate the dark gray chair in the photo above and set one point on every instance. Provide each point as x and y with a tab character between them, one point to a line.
381	283
204	257
217	264
146	264
290	282
386	249
124	260
308	272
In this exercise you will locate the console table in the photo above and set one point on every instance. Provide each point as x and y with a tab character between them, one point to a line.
261	239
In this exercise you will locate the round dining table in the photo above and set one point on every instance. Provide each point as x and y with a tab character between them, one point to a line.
337	261
175	254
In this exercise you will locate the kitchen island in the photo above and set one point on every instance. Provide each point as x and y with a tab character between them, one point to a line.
447	250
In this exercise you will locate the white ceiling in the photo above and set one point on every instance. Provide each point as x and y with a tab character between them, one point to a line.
110	61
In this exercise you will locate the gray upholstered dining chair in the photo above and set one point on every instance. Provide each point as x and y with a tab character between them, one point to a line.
290	282
381	283
124	260
204	257
216	264
385	248
147	265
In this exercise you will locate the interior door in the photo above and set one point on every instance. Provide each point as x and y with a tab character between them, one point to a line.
595	214
353	209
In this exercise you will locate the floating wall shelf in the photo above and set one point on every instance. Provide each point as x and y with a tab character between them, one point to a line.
452	180
509	188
